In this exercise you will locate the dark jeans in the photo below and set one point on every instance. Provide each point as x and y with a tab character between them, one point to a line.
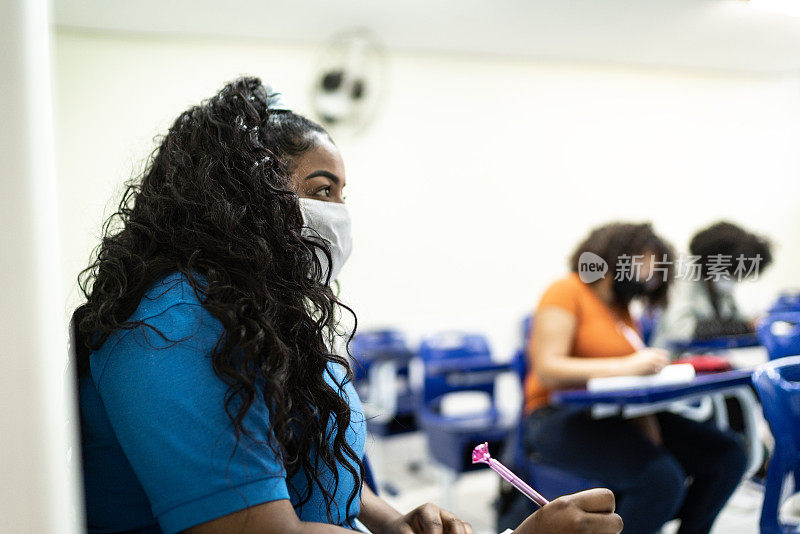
690	476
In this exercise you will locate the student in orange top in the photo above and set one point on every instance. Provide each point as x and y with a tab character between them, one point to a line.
660	466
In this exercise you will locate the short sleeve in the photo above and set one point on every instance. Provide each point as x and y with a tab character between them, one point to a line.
166	407
562	294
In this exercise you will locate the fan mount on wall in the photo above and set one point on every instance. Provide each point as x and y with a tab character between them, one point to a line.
349	81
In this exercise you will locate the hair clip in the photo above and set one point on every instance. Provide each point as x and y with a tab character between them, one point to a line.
262	161
275	101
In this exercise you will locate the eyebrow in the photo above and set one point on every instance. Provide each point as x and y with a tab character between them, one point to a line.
326	174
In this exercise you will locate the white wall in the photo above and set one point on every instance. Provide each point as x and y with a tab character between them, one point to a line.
39	457
480	174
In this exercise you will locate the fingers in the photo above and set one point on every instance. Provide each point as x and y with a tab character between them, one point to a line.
657	354
586	512
430	519
594	500
661	356
648	361
657	358
599	523
453	525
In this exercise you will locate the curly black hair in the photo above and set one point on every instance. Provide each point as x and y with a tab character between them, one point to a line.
614	240
726	239
216	203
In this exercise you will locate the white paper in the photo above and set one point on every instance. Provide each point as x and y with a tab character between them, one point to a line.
681	373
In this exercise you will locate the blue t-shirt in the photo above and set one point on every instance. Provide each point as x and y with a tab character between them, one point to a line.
159	452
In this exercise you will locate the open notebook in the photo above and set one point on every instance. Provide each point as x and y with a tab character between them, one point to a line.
674	374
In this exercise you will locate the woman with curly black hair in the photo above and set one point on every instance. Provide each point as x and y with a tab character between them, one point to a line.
211	400
660	465
702	304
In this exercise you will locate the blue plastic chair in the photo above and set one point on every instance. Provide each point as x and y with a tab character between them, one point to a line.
786	302
456	362
525	329
780	334
373	347
369	345
778	386
549	481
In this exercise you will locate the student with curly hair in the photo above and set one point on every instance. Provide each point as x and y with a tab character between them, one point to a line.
702	304
660	466
211	401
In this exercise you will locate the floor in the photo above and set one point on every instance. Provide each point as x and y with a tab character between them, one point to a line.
473	493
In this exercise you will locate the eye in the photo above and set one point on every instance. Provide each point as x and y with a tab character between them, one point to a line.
323	192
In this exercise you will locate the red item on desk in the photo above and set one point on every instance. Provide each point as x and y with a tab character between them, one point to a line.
706	363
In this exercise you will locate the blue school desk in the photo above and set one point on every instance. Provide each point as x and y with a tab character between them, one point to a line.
699	400
716	344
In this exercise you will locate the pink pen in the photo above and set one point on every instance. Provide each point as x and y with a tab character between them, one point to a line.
481	455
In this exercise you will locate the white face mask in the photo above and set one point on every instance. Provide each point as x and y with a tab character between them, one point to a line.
331	221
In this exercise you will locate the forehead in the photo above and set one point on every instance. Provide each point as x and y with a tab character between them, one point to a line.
324	155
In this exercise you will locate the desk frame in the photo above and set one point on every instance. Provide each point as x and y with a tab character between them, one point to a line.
644	401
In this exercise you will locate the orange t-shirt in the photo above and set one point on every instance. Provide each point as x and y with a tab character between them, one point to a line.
597	332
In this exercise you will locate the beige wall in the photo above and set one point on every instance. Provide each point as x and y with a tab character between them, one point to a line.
478	176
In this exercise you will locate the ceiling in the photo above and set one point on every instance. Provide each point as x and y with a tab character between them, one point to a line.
706	34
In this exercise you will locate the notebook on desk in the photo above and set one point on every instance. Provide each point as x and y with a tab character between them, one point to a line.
671	375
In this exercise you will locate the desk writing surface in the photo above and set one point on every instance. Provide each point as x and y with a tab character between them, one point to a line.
645	395
718	343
